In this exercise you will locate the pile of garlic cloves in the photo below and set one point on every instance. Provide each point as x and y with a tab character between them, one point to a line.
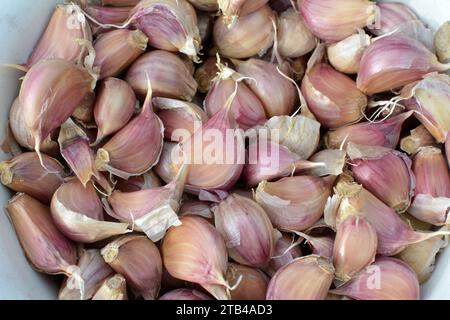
104	140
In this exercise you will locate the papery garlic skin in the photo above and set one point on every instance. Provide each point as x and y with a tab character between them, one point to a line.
419	137
334	163
205	74
24	173
201	257
251	35
185	295
345	55
114	288
294	37
295	203
253	282
333	21
333	97
391	16
168	74
148	180
281	255
139	261
441	43
382	69
386	279
233	9
246	229
313	278
355	247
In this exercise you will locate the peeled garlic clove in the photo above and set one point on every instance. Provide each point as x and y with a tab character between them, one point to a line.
421	256
383	134
294	37
148	180
394	61
313	278
205	74
196	252
278	95
249	36
78	213
94	271
391	16
333	97
115	105
136	148
300	134
295	203
179	117
44	245
246	229
114	288
355	247
430	100
59	40
205	5
432	192
152	211
333	21
334	163
384	172
75	149
345	55
185	295
251	283
233	9
139	261
419	137
285	252
170	25
441	43
24	173
108	15
168	74
386	279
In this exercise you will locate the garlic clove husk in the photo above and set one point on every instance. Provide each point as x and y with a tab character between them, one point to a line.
179	116
115	105
386	173
334	163
205	74
94	271
60	39
345	55
333	21
185	295
419	137
85	112
251	284
355	247
78	213
295	203
147	181
246	229
75	149
170	25
333	97
233	9
285	252
139	261
278	95
108	15
114	288
24	173
441	43
386	279
196	208
382	69
137	147
383	134
314	276
205	5
196	252
168	74
251	35
294	38
391	16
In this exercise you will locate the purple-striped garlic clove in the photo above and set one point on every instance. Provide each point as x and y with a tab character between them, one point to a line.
391	16
233	9
285	251
184	295
251	284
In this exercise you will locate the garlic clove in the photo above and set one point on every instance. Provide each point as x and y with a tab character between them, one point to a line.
93	271
139	261
285	252
383	134
314	276
386	173
185	295
196	208
321	245
205	24
119	3
115	105
85	112
419	137
391	16
441	43
249	36
386	279
246	229
332	21
147	181
334	163
383	70
168	74
24	173
196	252
205	5
355	247
114	288
333	97
108	15
233	9
251	284
295	203
205	74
